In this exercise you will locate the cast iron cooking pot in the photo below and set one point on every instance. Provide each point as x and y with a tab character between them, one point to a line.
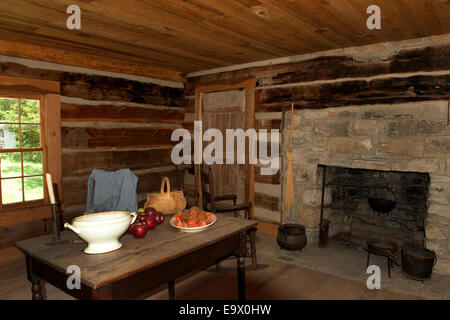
291	236
418	262
381	205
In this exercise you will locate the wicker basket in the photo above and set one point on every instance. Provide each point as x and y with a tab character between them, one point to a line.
166	202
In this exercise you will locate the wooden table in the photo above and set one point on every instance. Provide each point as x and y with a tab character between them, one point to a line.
140	265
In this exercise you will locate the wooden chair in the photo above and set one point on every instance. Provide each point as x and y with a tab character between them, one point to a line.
215	204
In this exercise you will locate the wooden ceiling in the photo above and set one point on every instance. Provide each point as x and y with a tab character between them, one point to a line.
194	35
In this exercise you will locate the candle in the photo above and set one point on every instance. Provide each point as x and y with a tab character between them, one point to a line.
50	188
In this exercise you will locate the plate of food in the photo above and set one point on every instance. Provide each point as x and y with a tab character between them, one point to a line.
193	220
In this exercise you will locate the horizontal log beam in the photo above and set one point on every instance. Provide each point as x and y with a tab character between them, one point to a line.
115	138
431	58
9	254
28	85
268	179
80	59
330	68
267	201
189	125
22	215
360	92
82	163
99	88
259	124
189	105
267	228
12	233
80	113
268	124
151	181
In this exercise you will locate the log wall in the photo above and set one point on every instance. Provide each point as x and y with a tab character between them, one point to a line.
106	123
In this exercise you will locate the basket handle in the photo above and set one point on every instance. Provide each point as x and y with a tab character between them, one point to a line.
165	181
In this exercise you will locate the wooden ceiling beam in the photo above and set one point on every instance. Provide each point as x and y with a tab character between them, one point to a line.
79	59
93	46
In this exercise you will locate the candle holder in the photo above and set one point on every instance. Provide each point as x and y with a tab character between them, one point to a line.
56	239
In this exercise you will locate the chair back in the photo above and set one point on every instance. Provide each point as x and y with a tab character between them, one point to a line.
208	193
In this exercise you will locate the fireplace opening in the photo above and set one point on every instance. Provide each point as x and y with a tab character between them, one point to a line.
364	204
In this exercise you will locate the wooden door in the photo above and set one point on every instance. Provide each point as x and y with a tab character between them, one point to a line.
226	110
236	179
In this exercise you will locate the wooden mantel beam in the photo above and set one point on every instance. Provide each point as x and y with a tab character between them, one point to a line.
79	59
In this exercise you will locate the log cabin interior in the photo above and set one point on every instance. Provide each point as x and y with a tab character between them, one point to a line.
345	104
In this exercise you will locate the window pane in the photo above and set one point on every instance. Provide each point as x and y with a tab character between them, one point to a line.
12	191
34	188
11	165
32	163
31	136
9	136
30	111
9	110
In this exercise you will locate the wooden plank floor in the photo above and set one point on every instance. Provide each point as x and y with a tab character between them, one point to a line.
279	281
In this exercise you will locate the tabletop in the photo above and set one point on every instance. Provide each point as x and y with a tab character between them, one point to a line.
159	245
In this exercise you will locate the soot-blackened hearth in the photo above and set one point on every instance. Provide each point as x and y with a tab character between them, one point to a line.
350	213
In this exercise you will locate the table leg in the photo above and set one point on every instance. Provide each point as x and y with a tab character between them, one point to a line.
171	286
252	235
240	255
368	257
241	278
36	289
389	266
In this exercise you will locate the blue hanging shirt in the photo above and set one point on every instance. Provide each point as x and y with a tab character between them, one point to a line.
113	191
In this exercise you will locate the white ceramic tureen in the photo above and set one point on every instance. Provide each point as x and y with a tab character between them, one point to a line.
102	230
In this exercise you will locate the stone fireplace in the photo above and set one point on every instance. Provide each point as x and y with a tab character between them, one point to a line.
407	144
348	192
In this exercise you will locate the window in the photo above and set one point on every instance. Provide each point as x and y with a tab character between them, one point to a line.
21	149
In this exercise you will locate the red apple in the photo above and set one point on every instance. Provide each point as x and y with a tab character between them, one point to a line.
130	229
159	217
141	217
149	210
151	222
140	230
